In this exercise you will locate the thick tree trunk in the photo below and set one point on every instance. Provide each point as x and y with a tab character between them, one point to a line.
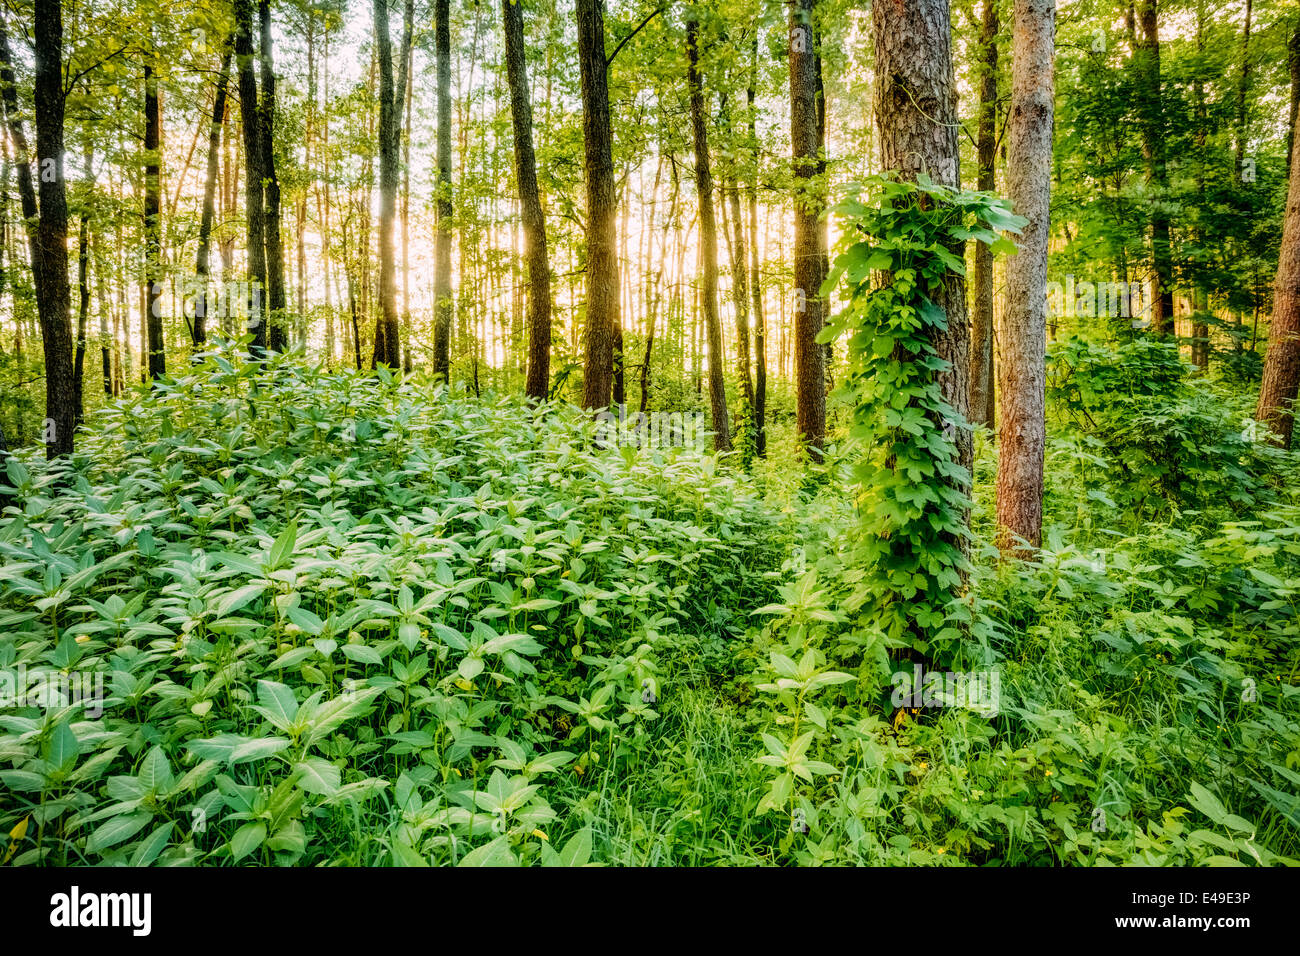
275	297
981	336
708	241
1277	391
253	175
809	306
387	328
530	202
1151	111
603	320
442	239
1022	332
53	294
156	348
198	326
916	112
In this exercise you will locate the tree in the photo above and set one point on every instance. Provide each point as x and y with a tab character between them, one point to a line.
981	336
442	239
387	330
916	113
1146	64
1277	390
530	202
708	238
253	173
198	325
53	293
1022	328
603	319
275	297
809	306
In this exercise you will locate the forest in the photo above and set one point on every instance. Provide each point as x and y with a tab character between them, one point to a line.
649	433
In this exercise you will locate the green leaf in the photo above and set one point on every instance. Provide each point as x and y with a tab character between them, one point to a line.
247	839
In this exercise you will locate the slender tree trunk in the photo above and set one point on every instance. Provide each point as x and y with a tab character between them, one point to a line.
1022	373
444	305
53	295
1277	391
253	175
1151	111
83	293
530	202
105	310
198	328
1200	328
809	306
755	284
405	106
708	240
275	296
1243	88
387	327
603	320
156	348
981	338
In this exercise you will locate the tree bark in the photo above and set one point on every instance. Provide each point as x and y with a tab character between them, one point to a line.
442	239
603	320
708	240
156	348
1151	111
809	306
1277	391
916	112
981	337
198	326
387	328
253	175
755	284
530	202
275	297
1022	331
54	294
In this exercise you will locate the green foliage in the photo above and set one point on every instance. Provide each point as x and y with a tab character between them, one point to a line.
904	246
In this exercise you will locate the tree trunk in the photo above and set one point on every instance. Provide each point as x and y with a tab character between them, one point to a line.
809	306
405	106
444	304
1022	332
198	327
156	349
1243	88
83	294
387	327
981	336
1151	111
603	321
755	285
708	240
275	298
253	175
1277	391
916	112
53	295
530	202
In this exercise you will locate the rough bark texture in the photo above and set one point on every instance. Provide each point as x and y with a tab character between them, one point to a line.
198	325
157	355
809	307
1022	332
708	241
1277	391
388	346
530	202
275	297
253	173
603	320
1146	62
54	294
981	335
442	238
916	112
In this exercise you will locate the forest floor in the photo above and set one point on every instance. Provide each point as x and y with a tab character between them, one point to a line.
342	618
